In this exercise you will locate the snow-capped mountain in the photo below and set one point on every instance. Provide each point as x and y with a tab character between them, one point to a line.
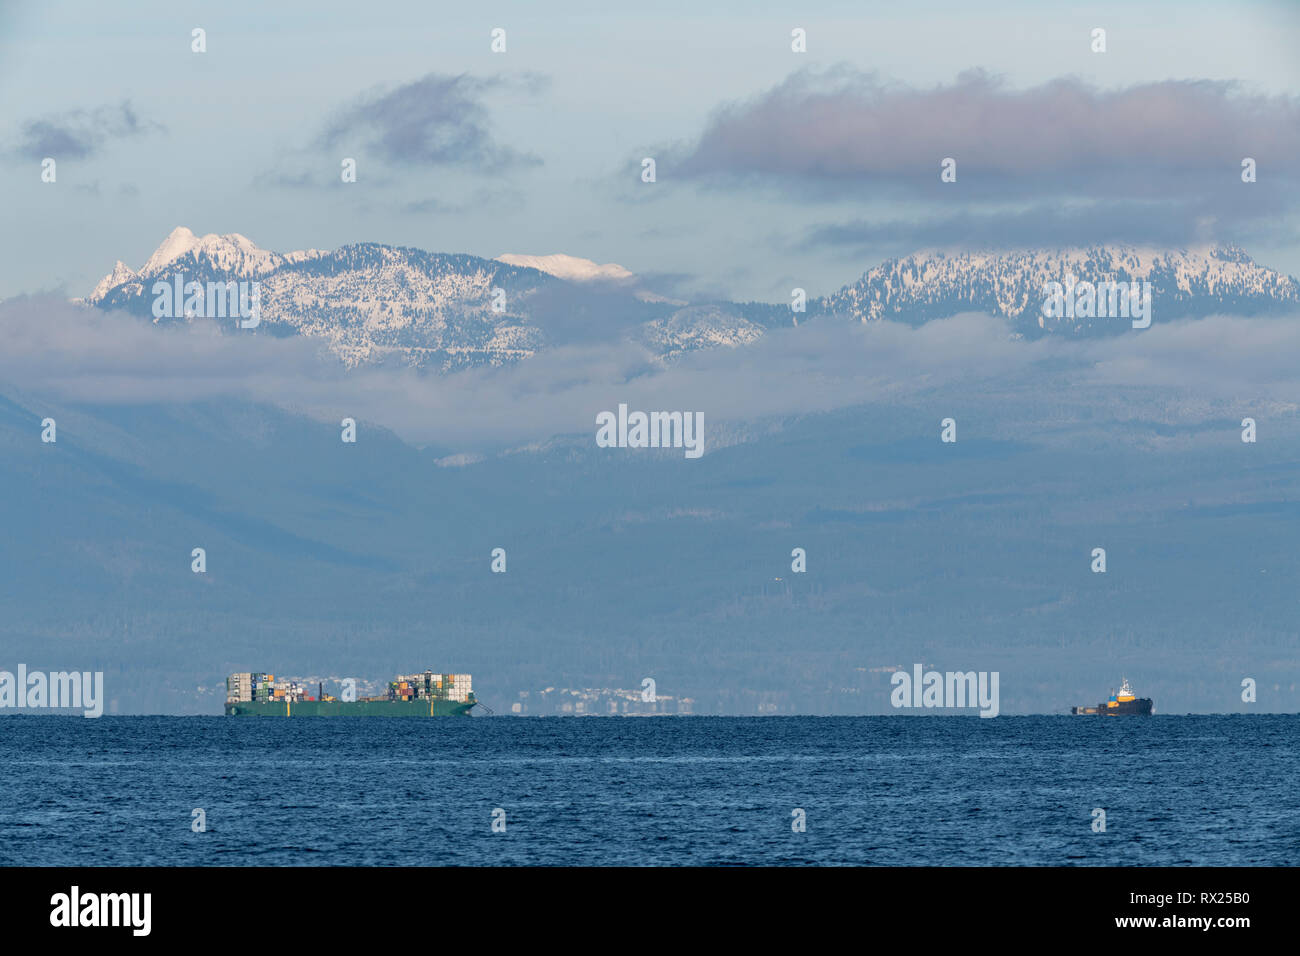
1183	282
371	302
120	276
233	255
569	267
368	302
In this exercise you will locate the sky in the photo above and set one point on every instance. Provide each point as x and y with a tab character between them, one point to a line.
774	169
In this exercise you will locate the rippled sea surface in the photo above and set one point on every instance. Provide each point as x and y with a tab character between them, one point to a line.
650	791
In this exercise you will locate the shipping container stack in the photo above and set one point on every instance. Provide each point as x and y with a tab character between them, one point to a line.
459	687
263	687
406	687
287	690
400	689
239	687
430	686
250	686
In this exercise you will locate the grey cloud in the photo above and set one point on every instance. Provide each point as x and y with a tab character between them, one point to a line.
437	120
843	127
1041	224
79	134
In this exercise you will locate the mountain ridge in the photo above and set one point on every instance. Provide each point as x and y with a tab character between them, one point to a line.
1185	282
372	302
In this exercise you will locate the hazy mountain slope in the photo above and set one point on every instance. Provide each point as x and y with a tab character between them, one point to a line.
326	558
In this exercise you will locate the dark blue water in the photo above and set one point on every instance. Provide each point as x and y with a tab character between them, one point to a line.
703	790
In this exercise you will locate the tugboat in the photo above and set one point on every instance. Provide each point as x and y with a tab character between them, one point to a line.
1124	704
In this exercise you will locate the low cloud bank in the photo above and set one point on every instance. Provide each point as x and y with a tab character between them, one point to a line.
65	352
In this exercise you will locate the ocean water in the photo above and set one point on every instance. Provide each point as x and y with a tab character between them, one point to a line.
1212	790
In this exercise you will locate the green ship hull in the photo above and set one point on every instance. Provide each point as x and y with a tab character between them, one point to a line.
357	708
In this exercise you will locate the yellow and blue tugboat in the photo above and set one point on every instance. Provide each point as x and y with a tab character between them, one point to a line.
1124	704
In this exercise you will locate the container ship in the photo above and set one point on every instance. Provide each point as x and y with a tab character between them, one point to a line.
1124	704
250	694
